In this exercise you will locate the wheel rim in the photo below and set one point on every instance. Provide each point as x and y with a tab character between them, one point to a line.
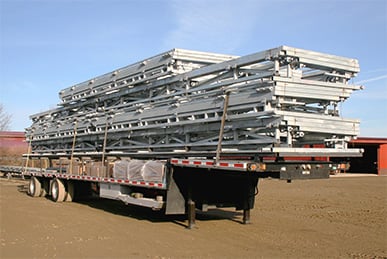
31	187
54	190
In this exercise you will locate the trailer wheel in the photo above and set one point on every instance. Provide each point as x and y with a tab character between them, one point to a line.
70	192
34	187
45	187
58	191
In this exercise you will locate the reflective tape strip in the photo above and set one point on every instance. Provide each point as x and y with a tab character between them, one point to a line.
99	179
210	163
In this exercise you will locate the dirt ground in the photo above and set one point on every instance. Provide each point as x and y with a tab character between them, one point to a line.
341	217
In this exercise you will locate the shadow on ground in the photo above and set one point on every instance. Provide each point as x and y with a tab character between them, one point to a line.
143	213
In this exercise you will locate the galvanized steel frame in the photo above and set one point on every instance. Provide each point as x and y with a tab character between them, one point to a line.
172	104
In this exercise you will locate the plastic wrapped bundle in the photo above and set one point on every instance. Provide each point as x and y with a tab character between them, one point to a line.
120	169
153	171
134	170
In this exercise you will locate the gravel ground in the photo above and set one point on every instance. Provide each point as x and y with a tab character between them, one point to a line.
341	217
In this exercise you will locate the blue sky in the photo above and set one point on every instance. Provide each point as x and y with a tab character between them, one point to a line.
48	45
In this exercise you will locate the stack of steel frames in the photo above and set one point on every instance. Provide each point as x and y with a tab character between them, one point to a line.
189	103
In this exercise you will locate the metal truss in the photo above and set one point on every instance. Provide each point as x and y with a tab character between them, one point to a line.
191	103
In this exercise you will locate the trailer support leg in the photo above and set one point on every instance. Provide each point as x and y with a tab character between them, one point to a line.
191	214
246	216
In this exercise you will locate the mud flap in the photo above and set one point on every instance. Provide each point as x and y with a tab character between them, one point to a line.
175	203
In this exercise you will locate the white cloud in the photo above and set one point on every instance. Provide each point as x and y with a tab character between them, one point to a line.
375	89
372	79
212	25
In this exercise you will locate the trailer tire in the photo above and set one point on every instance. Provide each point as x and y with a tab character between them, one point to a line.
45	187
70	192
58	191
34	187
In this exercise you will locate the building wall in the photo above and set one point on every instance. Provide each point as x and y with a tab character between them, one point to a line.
382	159
374	158
12	147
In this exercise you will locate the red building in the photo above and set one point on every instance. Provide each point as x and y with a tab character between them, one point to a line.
12	147
374	159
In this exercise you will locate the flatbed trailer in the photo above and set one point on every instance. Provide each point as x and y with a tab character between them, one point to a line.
176	186
187	130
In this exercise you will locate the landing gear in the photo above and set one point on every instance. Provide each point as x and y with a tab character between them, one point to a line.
246	216
191	214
